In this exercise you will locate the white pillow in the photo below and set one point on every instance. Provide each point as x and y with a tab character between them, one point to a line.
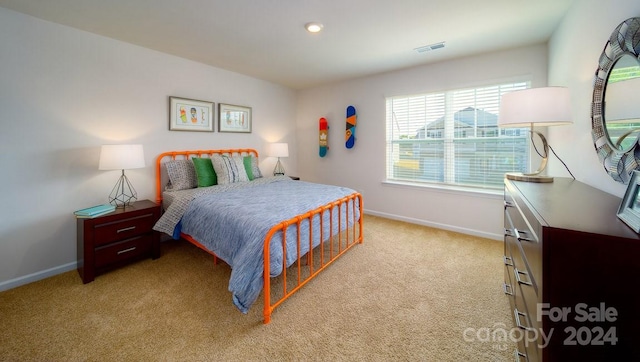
229	169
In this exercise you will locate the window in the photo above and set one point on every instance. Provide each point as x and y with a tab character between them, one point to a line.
453	138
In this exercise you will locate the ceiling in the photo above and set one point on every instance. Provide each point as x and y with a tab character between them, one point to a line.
266	39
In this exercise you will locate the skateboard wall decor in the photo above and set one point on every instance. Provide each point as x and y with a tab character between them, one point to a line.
350	135
323	136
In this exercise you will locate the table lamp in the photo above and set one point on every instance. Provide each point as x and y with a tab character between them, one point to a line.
547	106
279	150
121	157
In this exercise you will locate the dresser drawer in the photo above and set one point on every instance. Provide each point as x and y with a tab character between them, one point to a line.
526	233
524	318
123	250
507	286
124	228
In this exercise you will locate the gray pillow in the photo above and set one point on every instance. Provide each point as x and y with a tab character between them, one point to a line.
254	167
182	175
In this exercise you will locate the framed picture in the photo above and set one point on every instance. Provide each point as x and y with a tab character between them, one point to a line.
629	211
234	118
190	115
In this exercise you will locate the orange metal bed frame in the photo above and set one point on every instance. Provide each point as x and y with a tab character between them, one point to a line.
336	243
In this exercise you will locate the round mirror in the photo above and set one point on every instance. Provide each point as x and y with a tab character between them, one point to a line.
622	103
615	120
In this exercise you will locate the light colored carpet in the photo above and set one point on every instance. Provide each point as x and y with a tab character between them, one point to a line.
407	293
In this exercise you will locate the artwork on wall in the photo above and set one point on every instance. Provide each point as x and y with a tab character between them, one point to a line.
233	118
190	115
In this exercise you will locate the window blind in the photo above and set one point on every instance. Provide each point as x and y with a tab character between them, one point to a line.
453	138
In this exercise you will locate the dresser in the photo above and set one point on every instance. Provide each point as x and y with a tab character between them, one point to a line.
117	238
571	273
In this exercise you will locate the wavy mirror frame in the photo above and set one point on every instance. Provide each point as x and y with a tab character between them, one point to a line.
625	39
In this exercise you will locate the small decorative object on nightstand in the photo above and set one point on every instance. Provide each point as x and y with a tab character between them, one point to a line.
114	239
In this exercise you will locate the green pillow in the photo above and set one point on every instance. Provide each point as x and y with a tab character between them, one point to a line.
204	172
248	167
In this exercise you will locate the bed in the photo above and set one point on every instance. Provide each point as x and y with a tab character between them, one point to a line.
275	233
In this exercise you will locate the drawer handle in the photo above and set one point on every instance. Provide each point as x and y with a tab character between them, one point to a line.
519	324
507	260
520	237
507	204
520	281
519	355
508	289
126	229
508	232
126	250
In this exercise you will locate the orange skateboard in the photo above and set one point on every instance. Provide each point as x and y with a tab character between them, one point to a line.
324	136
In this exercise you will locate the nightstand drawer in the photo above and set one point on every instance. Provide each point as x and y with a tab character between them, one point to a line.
122	229
123	250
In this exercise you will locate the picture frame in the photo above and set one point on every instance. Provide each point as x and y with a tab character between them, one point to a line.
233	118
191	115
629	210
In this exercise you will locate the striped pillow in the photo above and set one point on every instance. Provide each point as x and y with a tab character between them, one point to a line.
229	169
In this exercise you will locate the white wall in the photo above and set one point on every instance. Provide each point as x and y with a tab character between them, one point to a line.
574	51
362	167
63	93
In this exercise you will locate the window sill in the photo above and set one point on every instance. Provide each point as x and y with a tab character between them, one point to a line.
458	190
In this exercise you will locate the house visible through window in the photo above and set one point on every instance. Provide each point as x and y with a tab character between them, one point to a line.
453	138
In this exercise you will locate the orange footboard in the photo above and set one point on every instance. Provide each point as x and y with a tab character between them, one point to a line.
331	247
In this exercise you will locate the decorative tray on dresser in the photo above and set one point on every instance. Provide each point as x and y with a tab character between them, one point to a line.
571	273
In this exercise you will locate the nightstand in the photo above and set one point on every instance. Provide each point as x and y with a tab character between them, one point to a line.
109	241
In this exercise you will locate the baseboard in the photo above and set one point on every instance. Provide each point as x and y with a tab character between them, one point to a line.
34	277
454	228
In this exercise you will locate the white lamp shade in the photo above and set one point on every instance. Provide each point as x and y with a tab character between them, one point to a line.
547	106
121	157
279	150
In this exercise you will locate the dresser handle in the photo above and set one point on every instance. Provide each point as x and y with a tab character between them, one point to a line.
507	204
517	314
508	289
126	250
521	238
518	355
507	260
520	281
125	229
508	232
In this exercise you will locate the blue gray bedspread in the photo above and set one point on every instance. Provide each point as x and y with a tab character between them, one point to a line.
233	224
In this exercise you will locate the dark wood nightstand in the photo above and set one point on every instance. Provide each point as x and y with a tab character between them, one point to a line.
108	241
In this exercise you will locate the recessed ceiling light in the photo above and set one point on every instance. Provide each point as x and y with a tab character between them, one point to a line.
313	27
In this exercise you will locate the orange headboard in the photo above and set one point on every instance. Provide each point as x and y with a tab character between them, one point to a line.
161	176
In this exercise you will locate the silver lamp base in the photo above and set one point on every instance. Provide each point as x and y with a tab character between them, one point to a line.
528	177
536	175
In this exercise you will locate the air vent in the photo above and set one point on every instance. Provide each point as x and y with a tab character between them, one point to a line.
430	47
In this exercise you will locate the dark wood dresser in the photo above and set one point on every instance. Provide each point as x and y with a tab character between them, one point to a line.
572	272
117	238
